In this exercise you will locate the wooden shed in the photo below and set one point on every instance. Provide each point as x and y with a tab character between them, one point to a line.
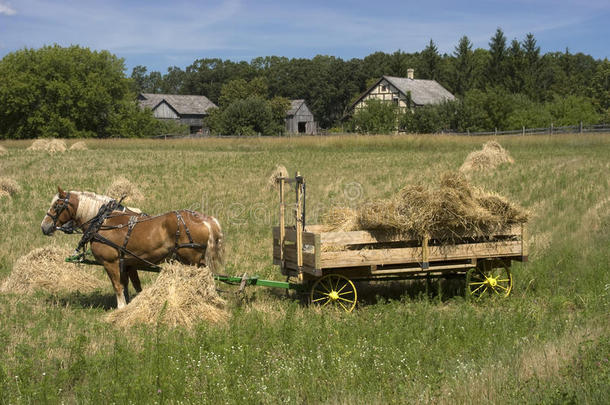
299	119
186	109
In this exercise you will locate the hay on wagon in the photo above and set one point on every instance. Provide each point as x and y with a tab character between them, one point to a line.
45	269
446	212
182	295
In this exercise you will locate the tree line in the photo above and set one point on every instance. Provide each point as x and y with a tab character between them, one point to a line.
509	85
76	92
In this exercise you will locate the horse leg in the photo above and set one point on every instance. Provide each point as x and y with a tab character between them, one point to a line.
112	269
135	280
125	284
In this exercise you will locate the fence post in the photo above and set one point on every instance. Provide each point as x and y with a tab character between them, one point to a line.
580	128
468	132
495	131
551	128
523	133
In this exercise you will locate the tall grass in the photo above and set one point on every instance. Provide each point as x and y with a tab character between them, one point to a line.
548	342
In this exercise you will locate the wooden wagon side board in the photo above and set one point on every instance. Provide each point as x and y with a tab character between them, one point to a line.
353	258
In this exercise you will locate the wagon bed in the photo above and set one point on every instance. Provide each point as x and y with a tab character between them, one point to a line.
376	254
331	260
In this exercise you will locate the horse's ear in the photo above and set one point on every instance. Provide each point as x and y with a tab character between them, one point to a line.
61	193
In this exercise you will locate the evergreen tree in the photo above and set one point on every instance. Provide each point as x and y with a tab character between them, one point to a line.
497	63
431	61
464	67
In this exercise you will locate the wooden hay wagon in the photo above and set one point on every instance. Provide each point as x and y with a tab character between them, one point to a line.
329	262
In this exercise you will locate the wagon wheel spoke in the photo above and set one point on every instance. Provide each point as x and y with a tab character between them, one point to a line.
498	280
340	292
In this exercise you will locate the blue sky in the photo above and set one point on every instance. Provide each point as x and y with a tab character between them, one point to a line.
160	34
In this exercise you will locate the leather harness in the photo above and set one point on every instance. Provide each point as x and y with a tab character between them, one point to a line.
96	224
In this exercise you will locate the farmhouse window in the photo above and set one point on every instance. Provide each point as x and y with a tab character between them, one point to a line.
384	88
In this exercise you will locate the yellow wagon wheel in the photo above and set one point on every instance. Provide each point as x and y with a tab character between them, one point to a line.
490	282
334	290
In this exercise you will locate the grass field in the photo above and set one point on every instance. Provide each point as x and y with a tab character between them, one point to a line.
547	343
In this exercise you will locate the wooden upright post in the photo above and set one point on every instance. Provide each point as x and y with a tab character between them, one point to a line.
282	223
299	222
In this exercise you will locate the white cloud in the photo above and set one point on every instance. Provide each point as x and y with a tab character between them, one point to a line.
5	8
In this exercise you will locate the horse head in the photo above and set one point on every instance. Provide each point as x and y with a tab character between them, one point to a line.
62	210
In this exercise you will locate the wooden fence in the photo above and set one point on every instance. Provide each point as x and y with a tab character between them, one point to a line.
552	130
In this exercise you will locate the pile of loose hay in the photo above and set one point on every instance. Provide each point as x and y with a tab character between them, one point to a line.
181	296
491	156
447	212
3	150
122	187
80	145
8	187
279	171
45	269
48	145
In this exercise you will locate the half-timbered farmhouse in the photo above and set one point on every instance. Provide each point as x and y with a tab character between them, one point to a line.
299	119
405	92
187	110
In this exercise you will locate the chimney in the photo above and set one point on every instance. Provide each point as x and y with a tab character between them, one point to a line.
410	73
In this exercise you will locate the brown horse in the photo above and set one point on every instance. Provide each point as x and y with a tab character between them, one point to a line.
138	240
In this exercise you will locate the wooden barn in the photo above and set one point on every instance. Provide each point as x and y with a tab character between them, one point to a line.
187	110
299	119
406	92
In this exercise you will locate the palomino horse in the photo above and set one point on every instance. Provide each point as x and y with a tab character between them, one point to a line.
137	240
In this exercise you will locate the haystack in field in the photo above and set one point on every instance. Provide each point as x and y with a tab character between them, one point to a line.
3	150
45	269
272	181
452	209
491	156
122	187
8	187
80	145
182	295
48	145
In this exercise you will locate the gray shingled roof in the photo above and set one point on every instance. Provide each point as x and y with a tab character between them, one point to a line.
422	91
294	106
182	104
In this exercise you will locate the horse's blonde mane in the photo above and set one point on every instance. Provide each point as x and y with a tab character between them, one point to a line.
89	204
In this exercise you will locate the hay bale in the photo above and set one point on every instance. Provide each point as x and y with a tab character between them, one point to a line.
45	269
48	145
8	187
80	145
182	295
447	212
491	156
122	187
272	182
38	145
340	219
3	150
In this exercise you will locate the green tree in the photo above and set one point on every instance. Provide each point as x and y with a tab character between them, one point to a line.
63	92
431	62
376	117
239	89
464	67
497	63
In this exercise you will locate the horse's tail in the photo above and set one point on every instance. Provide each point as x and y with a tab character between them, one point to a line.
215	251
